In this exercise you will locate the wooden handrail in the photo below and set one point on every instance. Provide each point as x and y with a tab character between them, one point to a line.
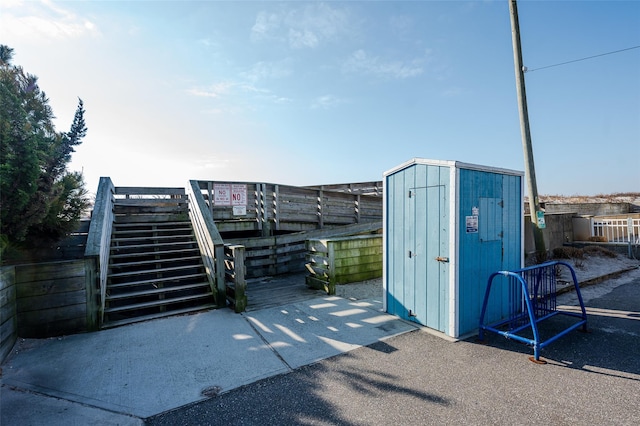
209	241
97	251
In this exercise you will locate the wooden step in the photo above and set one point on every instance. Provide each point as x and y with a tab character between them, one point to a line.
160	290
150	238
167	209
157	303
153	202
174	229
155	281
123	219
155	271
152	246
153	261
118	323
156	253
151	224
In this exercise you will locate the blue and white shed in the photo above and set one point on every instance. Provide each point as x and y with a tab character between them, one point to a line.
447	227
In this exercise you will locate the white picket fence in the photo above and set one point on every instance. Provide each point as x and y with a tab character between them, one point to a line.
616	230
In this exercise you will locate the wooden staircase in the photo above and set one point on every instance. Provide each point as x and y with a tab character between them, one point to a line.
155	266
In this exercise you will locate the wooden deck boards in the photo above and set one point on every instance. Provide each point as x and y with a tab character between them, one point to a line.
269	292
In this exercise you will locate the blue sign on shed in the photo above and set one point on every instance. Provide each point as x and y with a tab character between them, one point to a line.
447	227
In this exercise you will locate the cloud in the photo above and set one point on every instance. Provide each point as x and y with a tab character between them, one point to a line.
361	62
452	92
268	70
327	102
235	92
266	24
401	25
304	27
44	21
214	91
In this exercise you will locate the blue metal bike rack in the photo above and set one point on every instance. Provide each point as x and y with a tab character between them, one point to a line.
532	295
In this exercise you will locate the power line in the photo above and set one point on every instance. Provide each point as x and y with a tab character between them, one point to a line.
581	59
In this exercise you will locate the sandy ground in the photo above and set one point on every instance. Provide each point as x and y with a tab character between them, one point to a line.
587	269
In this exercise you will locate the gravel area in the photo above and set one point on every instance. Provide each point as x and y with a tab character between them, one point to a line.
371	289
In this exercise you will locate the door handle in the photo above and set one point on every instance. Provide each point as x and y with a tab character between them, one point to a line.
442	259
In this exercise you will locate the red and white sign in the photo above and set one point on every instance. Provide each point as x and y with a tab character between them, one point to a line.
238	195
226	194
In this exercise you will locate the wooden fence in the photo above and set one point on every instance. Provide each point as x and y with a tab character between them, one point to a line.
364	188
282	254
51	298
8	311
332	261
272	208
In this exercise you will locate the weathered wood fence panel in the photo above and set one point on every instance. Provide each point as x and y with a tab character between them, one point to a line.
282	254
332	261
51	298
8	313
364	188
270	208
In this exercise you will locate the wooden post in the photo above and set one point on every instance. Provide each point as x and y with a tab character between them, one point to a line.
266	225
276	215
240	283
319	209
221	287
534	202
209	196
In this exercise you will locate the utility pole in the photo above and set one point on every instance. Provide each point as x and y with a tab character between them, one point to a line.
536	214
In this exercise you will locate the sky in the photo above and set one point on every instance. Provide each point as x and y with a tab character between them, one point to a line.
310	93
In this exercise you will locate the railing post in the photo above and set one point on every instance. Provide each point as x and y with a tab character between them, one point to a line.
236	273
266	225
319	209
97	250
630	236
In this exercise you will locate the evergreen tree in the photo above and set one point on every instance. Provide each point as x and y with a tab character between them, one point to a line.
40	201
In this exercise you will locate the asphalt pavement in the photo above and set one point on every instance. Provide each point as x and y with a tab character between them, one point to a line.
329	361
419	379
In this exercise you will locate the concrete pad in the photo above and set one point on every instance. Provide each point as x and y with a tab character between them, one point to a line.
28	409
306	332
146	368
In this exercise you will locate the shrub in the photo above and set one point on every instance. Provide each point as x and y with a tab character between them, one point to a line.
599	251
568	253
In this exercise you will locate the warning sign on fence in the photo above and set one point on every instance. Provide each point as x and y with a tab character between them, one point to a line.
226	194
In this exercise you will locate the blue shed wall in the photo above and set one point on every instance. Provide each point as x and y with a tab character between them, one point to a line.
497	244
